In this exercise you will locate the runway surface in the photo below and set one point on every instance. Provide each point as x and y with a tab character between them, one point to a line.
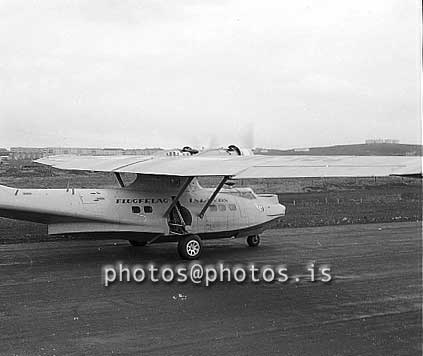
52	301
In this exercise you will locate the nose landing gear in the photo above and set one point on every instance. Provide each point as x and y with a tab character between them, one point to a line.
253	240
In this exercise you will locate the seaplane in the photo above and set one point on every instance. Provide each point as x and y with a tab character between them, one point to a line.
166	203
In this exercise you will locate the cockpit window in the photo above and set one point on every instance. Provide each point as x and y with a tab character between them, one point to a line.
222	207
213	208
232	207
136	209
148	209
247	195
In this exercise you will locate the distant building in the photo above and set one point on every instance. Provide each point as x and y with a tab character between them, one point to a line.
259	150
32	153
381	140
141	151
301	150
26	153
83	151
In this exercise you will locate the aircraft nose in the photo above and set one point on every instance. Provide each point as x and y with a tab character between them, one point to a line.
272	207
276	210
281	209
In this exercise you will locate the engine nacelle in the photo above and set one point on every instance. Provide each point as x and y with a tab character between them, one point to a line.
190	150
232	149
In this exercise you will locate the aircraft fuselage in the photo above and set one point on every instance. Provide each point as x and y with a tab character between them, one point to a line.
139	210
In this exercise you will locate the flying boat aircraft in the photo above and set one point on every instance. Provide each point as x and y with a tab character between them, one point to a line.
166	203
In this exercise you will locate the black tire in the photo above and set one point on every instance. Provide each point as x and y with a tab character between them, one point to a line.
190	247
137	243
253	240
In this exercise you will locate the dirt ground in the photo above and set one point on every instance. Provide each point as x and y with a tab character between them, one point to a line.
52	301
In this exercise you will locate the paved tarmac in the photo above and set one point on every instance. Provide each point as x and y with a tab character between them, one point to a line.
52	301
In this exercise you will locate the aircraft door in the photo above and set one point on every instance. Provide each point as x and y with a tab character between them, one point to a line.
216	217
243	213
210	217
92	201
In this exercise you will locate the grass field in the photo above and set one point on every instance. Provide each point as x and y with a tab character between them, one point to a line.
309	202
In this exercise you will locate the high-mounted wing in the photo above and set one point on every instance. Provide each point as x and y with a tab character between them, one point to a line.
333	166
244	167
157	165
92	163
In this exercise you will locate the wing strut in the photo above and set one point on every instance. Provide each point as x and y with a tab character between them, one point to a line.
119	179
181	191
218	188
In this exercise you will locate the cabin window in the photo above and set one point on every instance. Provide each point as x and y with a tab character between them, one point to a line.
222	207
136	209
148	209
232	207
213	208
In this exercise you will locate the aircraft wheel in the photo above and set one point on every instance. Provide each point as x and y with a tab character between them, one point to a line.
190	247
137	243
253	240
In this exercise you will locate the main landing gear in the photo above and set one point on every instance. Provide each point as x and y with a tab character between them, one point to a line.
253	240
190	247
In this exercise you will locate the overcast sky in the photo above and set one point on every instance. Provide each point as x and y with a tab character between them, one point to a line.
143	73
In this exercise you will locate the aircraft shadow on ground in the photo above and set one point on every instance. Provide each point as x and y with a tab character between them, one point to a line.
163	253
